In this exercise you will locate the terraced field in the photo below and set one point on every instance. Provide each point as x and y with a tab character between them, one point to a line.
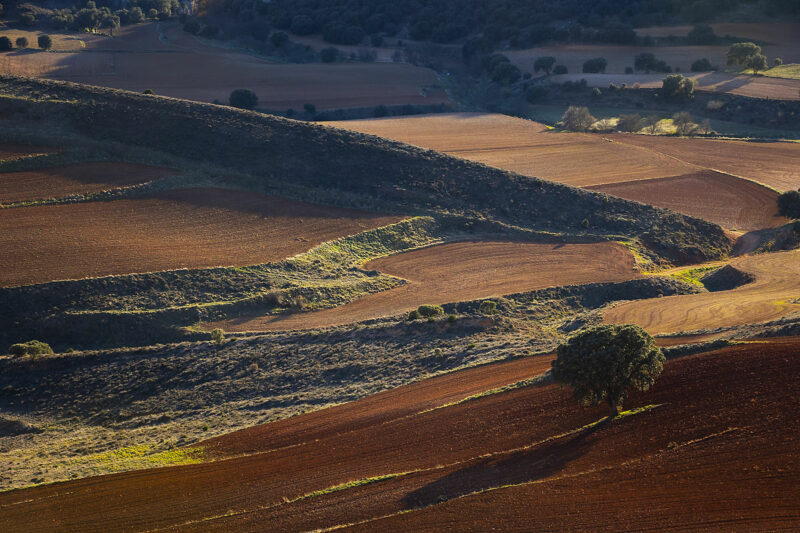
79	178
775	293
729	201
461	271
407	460
177	229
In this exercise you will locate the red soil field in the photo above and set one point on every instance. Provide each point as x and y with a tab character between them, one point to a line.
191	228
775	293
178	65
774	164
14	151
461	271
523	146
74	179
716	452
726	200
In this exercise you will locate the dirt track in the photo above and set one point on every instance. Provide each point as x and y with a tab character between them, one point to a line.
74	179
179	229
461	271
769	297
701	459
178	65
731	202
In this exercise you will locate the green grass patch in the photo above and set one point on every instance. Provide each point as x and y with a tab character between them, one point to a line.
693	276
789	71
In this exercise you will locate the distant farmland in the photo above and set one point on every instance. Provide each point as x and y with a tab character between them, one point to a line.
165	59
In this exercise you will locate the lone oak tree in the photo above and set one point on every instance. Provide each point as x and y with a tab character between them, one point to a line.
602	363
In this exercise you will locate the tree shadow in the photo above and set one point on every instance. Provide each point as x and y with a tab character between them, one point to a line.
513	468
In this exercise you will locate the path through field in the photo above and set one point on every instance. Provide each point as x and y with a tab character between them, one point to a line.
775	293
457	272
190	228
518	460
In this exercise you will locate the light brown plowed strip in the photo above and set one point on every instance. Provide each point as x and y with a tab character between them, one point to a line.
74	179
769	297
190	228
461	271
726	200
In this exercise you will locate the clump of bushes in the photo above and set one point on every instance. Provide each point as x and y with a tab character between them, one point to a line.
218	336
594	66
243	99
577	118
427	310
789	204
488	307
32	348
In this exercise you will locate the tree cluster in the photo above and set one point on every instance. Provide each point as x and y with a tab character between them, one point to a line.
747	55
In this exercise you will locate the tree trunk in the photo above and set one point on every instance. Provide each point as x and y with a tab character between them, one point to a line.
614	407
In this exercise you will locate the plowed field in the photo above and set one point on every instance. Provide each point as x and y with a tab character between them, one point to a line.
721	198
775	293
462	271
177	229
715	451
74	179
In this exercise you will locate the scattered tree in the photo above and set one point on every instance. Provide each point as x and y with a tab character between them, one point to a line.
701	65
577	118
218	336
739	53
505	73
777	62
677	87
148	91
702	34
6	44
632	122
602	363
136	15
32	348
243	98
789	204
684	123
648	62
544	63
310	108
596	65
651	123
757	63
45	42
22	42
559	69
430	310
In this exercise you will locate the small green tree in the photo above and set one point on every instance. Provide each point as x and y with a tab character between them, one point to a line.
602	363
632	122
684	123
757	63
136	15
218	336
430	310
677	87
651	123
544	63
32	348
22	42
702	65
45	42
6	44
577	118
789	204
739	53
777	62
243	99
596	65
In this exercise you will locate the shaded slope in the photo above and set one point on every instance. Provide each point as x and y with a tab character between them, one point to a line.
674	462
288	154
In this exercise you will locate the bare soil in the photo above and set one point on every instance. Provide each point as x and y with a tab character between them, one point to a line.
190	228
80	178
461	271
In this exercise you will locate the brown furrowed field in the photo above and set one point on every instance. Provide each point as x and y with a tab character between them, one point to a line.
461	271
599	161
695	458
15	151
729	201
524	146
775	293
79	178
177	229
165	59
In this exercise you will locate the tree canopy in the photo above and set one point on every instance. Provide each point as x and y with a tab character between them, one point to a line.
601	364
789	204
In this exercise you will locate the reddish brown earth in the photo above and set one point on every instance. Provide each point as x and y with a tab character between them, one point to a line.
461	271
13	151
721	198
74	179
177	229
718	452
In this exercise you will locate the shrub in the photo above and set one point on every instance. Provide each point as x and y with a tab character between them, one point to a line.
45	42
677	87
218	336
593	66
577	118
6	44
777	62
632	122
544	63
22	42
414	315
789	204
136	15
148	91
647	62
701	65
243	99
505	73
152	14
596	92
32	348
488	307
559	69
427	310
684	123
451	318
602	363
329	55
